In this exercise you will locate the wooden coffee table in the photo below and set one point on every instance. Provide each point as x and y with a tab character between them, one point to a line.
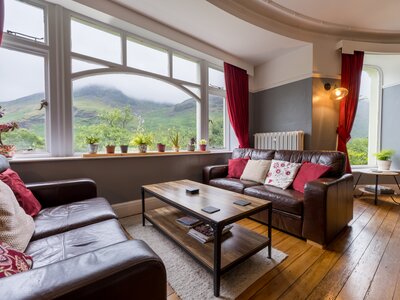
224	252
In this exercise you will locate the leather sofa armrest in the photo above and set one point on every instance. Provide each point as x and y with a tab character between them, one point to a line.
55	193
211	172
328	208
121	271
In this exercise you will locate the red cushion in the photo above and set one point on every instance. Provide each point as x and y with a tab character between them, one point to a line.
308	172
12	261
24	196
236	167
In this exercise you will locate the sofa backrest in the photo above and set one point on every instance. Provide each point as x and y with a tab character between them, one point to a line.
335	159
4	164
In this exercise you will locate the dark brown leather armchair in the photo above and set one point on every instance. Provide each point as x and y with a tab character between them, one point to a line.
318	215
80	250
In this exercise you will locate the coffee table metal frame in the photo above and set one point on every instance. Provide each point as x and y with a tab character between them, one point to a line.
217	228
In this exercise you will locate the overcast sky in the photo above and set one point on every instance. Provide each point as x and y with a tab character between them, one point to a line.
23	74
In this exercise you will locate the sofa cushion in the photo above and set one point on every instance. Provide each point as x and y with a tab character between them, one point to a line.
236	167
232	184
16	227
282	173
13	261
62	218
289	200
256	170
24	196
308	172
75	242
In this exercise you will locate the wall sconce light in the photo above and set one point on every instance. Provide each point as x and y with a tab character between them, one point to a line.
338	93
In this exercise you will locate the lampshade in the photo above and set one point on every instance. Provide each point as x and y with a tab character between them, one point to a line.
339	93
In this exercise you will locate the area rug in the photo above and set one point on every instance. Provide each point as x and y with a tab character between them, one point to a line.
188	278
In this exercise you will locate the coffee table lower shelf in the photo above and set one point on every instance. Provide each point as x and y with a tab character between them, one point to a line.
237	246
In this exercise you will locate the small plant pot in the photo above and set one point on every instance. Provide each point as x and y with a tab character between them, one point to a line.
93	148
203	147
175	149
160	147
191	147
142	148
124	148
110	149
7	150
384	165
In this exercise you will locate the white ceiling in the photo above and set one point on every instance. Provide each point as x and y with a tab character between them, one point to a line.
358	15
216	27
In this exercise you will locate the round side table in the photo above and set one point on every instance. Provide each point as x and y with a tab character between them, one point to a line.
377	174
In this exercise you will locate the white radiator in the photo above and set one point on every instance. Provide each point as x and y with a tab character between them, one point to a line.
290	140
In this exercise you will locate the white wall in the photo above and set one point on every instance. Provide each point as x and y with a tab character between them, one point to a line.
289	67
389	64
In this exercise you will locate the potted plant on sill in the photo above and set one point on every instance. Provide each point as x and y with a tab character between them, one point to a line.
110	148
160	147
7	150
124	141
383	159
192	144
174	138
142	140
93	144
203	145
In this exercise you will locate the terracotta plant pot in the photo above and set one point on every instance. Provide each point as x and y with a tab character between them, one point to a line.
203	147
7	150
110	149
142	148
124	148
160	147
93	148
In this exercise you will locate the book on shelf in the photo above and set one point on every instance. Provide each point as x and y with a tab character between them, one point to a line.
381	190
204	232
188	221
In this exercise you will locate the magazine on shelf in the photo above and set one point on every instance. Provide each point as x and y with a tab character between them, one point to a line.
188	221
382	190
204	232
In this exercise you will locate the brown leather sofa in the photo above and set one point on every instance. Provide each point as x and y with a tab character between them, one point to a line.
80	250
318	215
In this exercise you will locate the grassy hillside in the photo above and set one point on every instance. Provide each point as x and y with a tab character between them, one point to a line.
92	101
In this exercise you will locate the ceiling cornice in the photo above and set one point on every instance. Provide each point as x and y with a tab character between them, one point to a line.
274	17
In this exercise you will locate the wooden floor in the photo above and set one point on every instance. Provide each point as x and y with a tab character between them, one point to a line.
363	262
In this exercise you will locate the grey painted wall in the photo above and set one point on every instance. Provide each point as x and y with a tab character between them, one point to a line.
391	122
283	108
119	179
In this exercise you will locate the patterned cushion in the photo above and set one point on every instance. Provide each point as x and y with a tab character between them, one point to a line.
16	226
12	261
24	196
282	173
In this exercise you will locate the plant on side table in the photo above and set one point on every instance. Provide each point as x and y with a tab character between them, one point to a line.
93	143
142	140
203	145
6	150
384	159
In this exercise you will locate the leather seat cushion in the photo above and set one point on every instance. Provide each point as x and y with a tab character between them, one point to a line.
62	218
75	242
289	200
232	184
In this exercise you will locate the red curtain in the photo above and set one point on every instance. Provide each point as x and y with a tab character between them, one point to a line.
237	90
351	79
1	19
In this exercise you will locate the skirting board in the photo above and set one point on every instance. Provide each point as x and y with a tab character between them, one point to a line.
134	207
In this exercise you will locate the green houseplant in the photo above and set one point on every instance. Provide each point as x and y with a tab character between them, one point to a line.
93	143
174	138
203	145
192	144
142	140
384	159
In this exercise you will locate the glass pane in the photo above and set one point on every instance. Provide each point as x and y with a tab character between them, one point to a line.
22	89
193	89
130	103
185	69
216	78
16	19
78	65
216	122
144	57
95	41
358	145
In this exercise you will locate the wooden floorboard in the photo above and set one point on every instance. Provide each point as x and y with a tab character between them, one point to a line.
363	262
